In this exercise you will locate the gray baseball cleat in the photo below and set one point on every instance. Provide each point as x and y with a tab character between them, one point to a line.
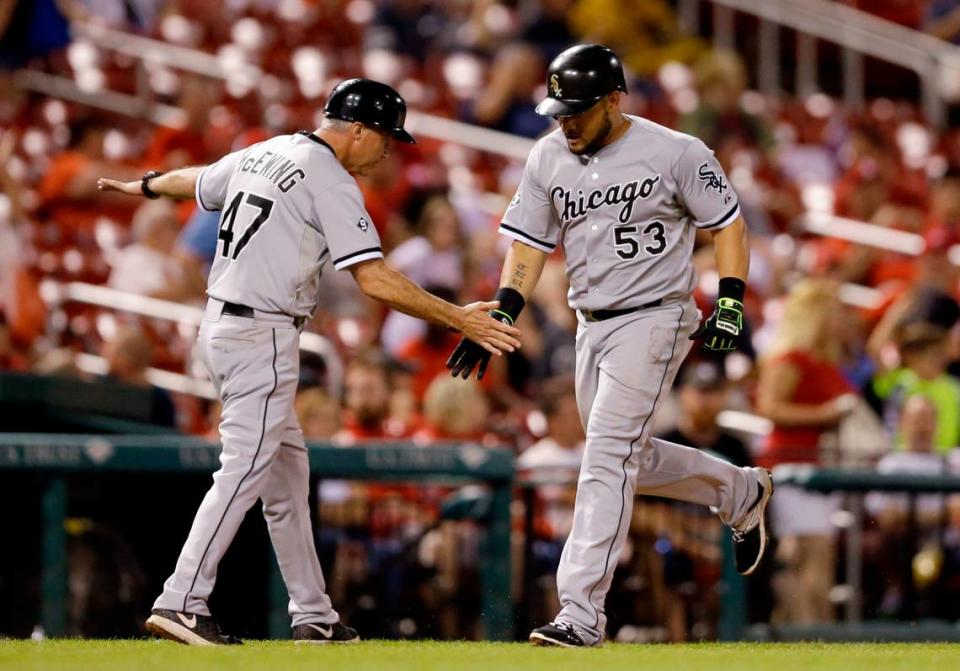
325	633
188	628
750	535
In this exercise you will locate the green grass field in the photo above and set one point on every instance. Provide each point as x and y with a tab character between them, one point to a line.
429	656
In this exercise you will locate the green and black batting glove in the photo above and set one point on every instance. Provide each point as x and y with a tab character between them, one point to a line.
469	355
721	332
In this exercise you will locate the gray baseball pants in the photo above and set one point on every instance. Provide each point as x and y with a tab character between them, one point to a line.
254	365
625	368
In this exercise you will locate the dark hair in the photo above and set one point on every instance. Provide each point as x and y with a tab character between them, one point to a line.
953	171
80	128
872	132
553	391
918	337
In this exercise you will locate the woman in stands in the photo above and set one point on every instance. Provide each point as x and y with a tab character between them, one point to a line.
804	393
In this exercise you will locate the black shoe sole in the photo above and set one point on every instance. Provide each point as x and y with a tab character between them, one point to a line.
764	502
174	631
545	641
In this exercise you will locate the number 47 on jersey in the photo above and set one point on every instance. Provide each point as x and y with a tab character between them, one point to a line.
229	218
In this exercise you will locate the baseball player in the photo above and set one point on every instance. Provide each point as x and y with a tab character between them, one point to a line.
625	197
290	209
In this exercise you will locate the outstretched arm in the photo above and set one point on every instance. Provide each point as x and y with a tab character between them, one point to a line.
884	334
180	184
378	280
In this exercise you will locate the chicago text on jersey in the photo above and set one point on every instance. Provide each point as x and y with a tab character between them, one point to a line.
574	208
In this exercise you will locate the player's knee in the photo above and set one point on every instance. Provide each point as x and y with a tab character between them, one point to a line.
276	511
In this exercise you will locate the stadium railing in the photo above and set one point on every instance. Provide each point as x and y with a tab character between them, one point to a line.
855	484
187	318
56	457
732	618
858	33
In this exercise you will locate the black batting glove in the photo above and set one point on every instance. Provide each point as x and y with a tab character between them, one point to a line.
721	331
469	355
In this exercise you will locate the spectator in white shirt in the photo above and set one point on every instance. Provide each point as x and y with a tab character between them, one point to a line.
918	425
433	258
146	266
562	447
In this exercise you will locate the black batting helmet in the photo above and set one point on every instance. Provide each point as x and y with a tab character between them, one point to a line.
579	77
372	104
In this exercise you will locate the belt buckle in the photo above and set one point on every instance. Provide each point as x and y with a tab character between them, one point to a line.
588	315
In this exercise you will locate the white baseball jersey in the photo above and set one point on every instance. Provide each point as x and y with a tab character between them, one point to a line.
625	216
289	208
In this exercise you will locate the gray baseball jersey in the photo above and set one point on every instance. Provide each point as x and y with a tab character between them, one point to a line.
289	208
626	216
626	219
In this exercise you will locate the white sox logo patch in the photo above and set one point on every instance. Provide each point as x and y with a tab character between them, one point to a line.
712	179
615	194
555	85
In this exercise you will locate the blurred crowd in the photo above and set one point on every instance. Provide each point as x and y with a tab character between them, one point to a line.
854	350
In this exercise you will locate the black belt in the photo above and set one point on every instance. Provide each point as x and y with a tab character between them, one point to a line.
601	315
237	310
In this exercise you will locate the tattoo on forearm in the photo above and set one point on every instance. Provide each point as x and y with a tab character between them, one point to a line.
519	274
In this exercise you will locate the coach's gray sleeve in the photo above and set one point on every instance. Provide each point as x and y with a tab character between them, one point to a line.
704	189
530	216
346	225
214	179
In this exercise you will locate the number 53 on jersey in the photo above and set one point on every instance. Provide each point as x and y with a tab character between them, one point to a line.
629	239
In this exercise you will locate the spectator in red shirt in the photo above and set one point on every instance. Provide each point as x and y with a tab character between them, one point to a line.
10	358
319	414
945	200
909	13
803	392
454	410
875	175
189	144
428	356
68	190
367	402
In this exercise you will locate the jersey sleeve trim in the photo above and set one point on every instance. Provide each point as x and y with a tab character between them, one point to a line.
199	197
526	238
730	215
348	260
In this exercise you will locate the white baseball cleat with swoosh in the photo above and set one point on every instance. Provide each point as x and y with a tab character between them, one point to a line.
188	628
318	632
